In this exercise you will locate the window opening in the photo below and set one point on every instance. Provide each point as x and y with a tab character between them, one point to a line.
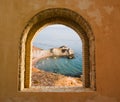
56	57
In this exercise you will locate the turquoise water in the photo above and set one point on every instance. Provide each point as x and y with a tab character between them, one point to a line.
68	67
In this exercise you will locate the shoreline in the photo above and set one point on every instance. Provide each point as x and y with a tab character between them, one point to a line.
62	51
35	60
43	78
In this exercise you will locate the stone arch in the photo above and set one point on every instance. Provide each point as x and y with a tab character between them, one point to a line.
57	16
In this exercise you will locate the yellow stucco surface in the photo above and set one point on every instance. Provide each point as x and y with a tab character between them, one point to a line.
104	18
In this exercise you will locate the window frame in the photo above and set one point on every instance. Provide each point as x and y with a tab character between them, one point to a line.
57	16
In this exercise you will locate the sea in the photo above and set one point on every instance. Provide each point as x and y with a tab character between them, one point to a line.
61	65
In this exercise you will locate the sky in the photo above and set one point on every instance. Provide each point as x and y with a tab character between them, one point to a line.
58	33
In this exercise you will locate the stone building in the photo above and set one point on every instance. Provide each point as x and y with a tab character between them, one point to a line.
18	18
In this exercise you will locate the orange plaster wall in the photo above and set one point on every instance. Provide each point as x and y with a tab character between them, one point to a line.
104	18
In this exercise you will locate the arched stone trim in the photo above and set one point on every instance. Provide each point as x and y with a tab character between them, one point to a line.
57	16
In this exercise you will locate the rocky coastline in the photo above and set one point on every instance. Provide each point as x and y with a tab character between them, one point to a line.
62	51
43	78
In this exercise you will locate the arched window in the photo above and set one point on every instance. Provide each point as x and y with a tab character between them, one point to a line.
57	16
56	57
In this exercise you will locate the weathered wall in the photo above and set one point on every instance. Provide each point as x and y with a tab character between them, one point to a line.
104	18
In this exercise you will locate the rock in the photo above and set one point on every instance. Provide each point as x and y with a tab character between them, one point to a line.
63	51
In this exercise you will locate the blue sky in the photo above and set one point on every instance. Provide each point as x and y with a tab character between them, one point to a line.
59	34
57	31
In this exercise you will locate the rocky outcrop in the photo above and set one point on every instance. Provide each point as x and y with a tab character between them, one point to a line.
62	51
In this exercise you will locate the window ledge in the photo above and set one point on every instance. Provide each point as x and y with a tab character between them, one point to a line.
57	89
